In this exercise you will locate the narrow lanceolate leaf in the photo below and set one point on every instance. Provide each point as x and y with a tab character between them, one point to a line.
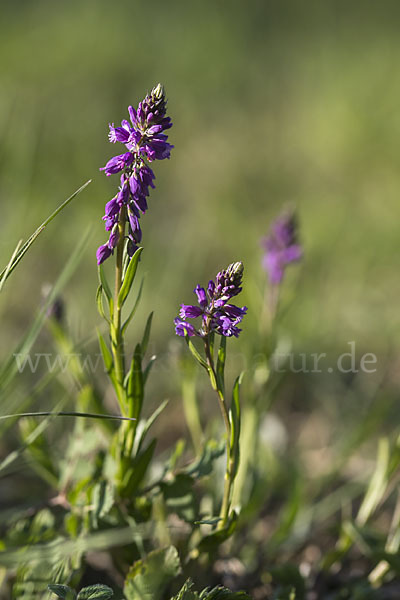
99	302
25	247
136	469
146	334
135	387
234	414
147	370
99	591
134	309
377	485
150	422
62	591
195	353
106	353
10	264
221	364
129	278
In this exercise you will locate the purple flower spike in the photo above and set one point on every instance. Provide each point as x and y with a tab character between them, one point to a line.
145	141
216	315
281	247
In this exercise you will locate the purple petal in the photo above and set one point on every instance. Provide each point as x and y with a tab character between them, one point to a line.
293	253
132	114
201	295
112	208
182	328
188	311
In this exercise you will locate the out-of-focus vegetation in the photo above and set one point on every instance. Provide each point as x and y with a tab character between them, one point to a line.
273	103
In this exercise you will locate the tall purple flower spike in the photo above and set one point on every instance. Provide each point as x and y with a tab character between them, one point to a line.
281	247
216	313
145	142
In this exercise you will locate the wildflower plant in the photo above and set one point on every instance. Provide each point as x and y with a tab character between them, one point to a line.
145	142
218	317
107	492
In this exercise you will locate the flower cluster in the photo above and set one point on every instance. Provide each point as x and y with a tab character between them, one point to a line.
217	314
144	140
281	247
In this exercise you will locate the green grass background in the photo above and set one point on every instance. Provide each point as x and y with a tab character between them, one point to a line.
272	102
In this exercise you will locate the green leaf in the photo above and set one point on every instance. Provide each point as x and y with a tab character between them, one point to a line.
146	334
132	313
135	470
17	256
129	278
186	593
378	484
221	364
148	368
62	591
148	578
6	271
222	593
195	353
146	426
210	542
208	521
135	386
106	353
234	415
102	501
99	303
179	497
99	591
203	465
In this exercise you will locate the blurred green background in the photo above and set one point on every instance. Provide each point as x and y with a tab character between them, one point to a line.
272	102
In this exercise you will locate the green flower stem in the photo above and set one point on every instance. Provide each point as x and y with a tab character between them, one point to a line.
116	332
230	461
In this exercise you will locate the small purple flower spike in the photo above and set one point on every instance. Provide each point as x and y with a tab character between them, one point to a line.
281	247
217	315
144	140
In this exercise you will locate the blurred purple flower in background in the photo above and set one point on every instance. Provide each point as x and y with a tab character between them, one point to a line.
281	247
217	315
144	139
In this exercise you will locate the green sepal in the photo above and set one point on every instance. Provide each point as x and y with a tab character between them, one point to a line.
129	278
